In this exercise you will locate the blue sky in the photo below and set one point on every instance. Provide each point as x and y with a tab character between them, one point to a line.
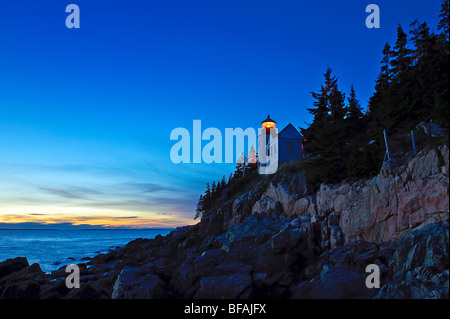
86	114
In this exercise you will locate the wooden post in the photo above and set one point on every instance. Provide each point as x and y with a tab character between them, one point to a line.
413	143
387	146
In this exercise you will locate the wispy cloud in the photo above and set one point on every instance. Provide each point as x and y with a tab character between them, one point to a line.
131	192
61	192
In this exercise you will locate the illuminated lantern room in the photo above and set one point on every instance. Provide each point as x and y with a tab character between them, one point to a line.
268	123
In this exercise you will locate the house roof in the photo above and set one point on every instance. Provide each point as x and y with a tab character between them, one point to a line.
290	132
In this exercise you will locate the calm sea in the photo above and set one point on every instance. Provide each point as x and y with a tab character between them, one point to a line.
53	248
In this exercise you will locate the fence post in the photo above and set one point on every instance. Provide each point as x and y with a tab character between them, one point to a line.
387	147
413	143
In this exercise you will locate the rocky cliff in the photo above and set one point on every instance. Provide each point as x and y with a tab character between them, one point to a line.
275	239
382	208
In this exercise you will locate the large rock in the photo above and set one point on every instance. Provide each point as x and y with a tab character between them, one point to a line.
299	185
24	282
305	206
292	246
387	206
208	260
267	206
337	282
185	279
11	265
231	286
281	197
256	228
420	265
243	204
280	192
137	283
424	247
212	224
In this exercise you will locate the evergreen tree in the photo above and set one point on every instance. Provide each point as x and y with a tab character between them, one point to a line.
354	111
200	207
213	189
240	166
252	160
375	110
320	111
392	107
223	183
385	76
440	111
443	25
386	73
361	157
207	197
328	129
423	41
219	187
402	55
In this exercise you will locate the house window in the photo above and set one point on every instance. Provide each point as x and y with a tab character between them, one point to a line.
290	147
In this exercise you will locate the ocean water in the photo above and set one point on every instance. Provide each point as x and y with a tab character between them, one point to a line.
52	249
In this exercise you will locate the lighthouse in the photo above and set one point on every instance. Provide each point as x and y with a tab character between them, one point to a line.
269	129
281	147
267	146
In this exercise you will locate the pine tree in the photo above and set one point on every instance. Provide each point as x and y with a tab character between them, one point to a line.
440	111
359	161
208	191
213	189
200	207
328	129
321	103
240	166
321	113
354	111
354	116
252	160
386	73
393	105
401	54
223	183
218	188
382	84
443	25
423	41
207	197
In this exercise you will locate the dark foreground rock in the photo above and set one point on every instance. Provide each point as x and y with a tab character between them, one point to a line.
19	280
414	267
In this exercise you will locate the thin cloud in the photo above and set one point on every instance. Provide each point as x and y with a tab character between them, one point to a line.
61	193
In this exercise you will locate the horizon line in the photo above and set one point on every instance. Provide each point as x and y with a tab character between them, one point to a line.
156	228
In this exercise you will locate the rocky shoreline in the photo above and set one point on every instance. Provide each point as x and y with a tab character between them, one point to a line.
277	240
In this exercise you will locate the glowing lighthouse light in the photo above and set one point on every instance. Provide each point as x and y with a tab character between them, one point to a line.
268	123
